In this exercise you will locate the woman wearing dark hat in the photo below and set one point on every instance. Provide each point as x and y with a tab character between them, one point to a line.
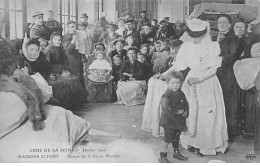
207	128
228	42
119	45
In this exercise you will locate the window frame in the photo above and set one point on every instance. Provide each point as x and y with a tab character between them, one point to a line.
7	9
62	14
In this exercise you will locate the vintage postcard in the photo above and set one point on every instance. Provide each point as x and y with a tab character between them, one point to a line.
129	81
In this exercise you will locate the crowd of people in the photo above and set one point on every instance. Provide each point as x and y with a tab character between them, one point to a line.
187	83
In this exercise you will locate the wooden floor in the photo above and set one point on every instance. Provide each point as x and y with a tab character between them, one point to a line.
127	122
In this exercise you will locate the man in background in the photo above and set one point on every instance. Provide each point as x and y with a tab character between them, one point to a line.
142	20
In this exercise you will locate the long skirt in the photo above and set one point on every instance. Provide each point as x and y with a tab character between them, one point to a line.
152	110
131	92
231	98
257	125
206	124
97	92
69	91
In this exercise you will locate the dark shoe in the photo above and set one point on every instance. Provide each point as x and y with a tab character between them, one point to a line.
178	156
164	160
197	152
192	149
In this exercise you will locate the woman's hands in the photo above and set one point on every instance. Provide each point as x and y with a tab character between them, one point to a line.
193	80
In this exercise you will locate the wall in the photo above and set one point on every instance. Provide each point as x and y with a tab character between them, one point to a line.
255	3
109	8
40	6
177	10
87	6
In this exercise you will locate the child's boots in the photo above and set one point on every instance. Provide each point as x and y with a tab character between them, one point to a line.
163	158
176	152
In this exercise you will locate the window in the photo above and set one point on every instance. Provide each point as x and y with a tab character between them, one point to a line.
68	11
15	15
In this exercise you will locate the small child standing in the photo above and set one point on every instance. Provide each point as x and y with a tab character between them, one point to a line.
83	41
99	70
173	117
159	57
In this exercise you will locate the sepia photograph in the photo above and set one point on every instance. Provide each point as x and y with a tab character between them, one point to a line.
129	81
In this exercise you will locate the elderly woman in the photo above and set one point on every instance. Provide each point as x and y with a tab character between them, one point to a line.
207	129
131	85
246	39
228	45
67	88
247	98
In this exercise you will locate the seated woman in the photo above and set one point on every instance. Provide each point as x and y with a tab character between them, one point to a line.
34	60
131	86
100	71
67	88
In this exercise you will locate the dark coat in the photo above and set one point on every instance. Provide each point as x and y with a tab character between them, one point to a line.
145	38
245	44
136	68
115	73
54	25
171	29
57	58
141	22
73	56
40	65
163	34
122	54
171	103
136	36
229	46
40	31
